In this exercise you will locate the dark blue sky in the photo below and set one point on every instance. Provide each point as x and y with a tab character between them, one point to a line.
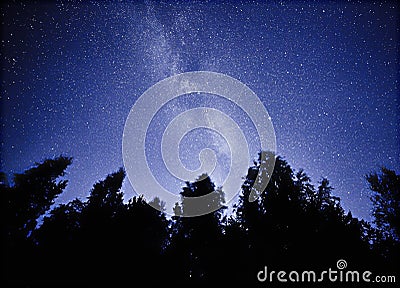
327	72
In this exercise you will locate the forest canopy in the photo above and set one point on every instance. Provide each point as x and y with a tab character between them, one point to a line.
294	224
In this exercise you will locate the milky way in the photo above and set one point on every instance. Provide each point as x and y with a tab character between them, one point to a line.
327	74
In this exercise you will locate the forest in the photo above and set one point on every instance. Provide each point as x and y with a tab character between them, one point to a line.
104	240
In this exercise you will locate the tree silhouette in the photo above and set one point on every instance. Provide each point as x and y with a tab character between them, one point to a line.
386	212
196	242
30	196
386	200
292	225
104	237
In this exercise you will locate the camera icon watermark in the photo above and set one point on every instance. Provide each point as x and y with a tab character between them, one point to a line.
331	275
151	101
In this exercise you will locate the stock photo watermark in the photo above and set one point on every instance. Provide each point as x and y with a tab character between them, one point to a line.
152	100
337	275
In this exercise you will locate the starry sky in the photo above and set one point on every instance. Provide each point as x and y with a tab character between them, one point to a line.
327	72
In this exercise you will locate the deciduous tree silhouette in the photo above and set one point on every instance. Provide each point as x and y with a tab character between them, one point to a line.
103	238
386	200
196	242
386	211
292	225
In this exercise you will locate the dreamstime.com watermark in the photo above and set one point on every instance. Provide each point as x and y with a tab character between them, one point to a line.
152	100
332	275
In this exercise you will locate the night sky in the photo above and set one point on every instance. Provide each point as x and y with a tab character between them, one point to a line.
328	74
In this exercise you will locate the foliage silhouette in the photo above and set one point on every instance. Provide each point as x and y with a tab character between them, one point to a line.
293	225
386	200
33	193
196	242
30	196
386	212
